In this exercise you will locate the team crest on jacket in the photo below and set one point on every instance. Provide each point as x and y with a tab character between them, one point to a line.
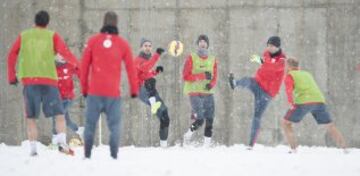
107	43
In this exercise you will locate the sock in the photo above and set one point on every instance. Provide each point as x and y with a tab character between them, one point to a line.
54	139
152	100
33	147
61	138
207	141
163	143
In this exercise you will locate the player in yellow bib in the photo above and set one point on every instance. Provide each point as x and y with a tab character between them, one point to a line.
304	96
200	77
32	61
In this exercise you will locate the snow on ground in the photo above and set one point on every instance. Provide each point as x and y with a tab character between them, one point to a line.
180	161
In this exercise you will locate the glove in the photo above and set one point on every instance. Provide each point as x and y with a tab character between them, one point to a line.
159	69
208	86
208	75
14	82
84	95
159	51
256	58
134	95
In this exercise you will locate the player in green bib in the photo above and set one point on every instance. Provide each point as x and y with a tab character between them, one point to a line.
304	96
32	61
200	77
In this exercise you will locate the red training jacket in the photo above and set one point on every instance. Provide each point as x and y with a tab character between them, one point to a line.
144	67
271	73
101	66
66	74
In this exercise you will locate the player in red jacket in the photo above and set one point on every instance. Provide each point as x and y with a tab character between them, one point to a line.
66	73
266	83
144	64
100	80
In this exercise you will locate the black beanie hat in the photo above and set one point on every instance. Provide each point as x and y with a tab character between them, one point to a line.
203	37
274	40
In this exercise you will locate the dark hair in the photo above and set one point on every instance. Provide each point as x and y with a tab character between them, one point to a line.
109	30
42	18
110	19
203	37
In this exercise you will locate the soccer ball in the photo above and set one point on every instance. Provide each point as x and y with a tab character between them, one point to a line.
175	48
75	142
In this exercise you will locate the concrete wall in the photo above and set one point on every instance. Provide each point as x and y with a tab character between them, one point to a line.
324	34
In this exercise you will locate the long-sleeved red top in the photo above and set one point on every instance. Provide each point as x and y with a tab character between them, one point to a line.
289	88
66	74
59	48
101	66
144	67
189	76
270	75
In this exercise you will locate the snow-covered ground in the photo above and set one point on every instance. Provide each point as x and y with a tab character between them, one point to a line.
180	161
